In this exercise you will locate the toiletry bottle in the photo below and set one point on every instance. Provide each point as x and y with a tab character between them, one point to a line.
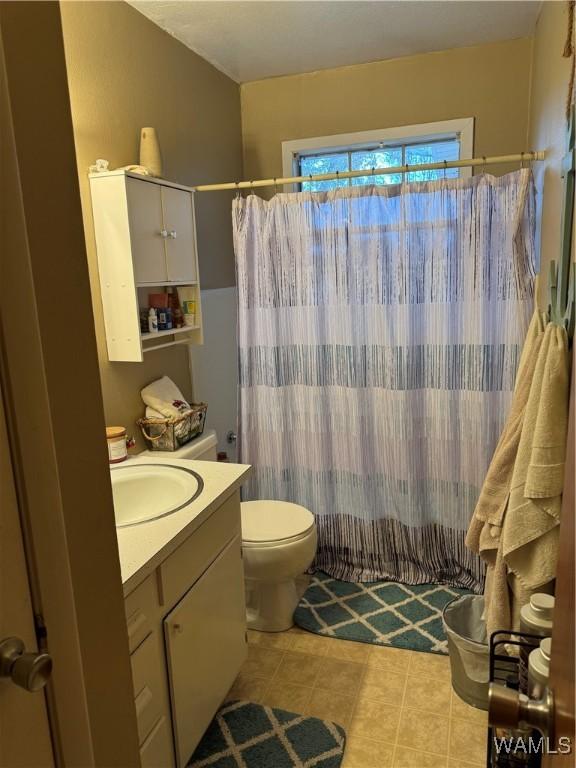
539	668
169	321
162	319
535	619
174	303
152	321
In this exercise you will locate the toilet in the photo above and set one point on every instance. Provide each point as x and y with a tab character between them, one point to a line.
278	543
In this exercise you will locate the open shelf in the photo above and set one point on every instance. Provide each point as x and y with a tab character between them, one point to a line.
167	284
171	332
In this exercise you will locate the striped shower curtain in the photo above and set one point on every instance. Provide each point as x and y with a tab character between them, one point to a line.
379	333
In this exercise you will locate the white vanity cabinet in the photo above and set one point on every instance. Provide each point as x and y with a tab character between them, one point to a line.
145	233
187	636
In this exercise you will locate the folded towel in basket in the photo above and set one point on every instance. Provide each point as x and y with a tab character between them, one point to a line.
164	399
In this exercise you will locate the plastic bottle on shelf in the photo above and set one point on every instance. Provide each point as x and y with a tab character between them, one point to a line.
539	668
535	619
152	321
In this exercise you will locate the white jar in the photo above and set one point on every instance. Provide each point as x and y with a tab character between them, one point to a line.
535	619
539	668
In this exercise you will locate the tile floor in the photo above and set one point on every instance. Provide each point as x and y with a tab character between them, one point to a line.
397	706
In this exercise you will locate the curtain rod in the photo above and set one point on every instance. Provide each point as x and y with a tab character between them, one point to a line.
444	165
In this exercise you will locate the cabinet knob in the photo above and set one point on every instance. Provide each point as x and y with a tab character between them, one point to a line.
163	233
172	234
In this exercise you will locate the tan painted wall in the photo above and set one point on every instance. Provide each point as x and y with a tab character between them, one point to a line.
550	78
124	73
489	82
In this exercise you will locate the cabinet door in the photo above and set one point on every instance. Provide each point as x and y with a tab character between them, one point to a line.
146	231
181	241
206	645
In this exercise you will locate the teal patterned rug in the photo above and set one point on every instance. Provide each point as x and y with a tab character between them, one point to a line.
380	612
246	735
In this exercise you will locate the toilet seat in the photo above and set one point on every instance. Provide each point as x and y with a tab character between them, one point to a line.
273	523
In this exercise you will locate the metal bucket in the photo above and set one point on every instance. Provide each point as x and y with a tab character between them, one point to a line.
468	647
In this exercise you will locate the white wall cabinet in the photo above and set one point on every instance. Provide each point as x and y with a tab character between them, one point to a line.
187	638
146	242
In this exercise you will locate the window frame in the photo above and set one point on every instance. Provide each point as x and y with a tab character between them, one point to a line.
406	134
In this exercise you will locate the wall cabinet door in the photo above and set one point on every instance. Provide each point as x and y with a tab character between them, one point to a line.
146	231
180	241
206	645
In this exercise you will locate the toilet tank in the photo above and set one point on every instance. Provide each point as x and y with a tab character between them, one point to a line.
202	448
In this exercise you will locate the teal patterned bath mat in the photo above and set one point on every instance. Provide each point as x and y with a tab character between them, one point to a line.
380	612
246	735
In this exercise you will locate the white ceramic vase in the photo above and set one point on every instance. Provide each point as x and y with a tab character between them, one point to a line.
150	156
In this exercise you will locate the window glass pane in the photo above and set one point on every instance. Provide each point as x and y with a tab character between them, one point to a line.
318	164
377	158
432	152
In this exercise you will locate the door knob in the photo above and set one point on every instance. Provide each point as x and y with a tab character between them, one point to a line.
30	671
510	709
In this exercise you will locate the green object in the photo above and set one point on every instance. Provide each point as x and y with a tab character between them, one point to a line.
265	737
562	278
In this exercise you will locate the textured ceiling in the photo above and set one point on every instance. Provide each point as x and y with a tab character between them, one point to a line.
254	40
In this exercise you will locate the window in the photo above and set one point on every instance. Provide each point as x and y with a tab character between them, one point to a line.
409	145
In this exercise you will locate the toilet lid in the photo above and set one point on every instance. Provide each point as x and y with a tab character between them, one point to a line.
266	521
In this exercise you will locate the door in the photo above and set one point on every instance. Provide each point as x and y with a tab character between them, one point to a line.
563	641
206	645
180	240
147	233
24	728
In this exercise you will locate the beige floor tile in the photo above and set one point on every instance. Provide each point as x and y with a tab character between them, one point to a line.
459	764
464	711
412	758
293	698
281	641
386	657
468	741
365	753
374	720
325	705
261	662
248	689
430	665
310	643
347	650
428	695
299	668
383	685
340	676
424	732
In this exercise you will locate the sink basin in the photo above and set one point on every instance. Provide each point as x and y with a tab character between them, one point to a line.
148	491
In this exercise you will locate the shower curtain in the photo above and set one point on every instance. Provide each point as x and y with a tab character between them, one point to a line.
380	328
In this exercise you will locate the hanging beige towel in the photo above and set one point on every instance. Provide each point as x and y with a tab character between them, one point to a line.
530	530
494	494
484	532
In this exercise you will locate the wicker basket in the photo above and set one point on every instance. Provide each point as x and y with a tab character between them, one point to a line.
171	434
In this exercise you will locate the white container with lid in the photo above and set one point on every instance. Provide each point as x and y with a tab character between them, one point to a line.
535	619
536	616
539	668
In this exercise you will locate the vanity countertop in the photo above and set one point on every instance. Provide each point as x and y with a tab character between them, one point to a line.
142	547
